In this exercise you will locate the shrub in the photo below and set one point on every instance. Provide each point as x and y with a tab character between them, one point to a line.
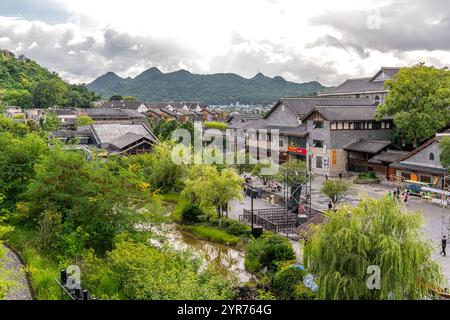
232	227
285	281
303	293
191	214
214	235
215	125
268	252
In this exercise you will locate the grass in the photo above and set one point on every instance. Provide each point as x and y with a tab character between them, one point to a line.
43	268
212	234
175	199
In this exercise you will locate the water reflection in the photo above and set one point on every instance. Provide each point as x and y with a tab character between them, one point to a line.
229	261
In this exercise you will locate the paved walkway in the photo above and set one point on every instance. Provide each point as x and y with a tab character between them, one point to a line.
432	214
20	290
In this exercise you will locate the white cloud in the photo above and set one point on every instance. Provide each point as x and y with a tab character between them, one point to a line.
298	40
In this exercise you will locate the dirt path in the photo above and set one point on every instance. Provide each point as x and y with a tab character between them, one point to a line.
11	263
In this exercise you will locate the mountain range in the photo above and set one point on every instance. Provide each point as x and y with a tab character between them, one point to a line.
215	89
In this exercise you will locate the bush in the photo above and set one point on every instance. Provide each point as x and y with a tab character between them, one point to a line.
213	234
232	227
215	125
191	214
136	271
303	293
367	177
42	266
285	282
268	252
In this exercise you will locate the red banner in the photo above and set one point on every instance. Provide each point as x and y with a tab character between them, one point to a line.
296	150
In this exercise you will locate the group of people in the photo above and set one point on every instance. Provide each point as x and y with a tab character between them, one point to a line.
396	195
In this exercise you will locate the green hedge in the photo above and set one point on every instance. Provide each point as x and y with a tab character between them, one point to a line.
212	234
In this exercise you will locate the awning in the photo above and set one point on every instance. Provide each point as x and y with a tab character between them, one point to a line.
433	190
368	146
418	168
388	156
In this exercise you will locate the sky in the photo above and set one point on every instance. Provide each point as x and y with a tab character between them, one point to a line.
325	40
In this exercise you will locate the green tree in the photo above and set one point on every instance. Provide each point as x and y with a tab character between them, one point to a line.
116	98
17	160
337	189
158	170
48	94
16	97
268	252
292	171
84	121
100	199
259	171
136	271
418	100
13	127
50	122
444	148
208	188
376	233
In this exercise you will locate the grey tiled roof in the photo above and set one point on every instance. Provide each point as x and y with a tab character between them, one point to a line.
344	113
242	117
288	130
252	124
127	139
419	168
107	133
369	146
113	113
388	156
303	106
63	112
362	85
122	104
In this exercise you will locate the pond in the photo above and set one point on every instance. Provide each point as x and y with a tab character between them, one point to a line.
227	260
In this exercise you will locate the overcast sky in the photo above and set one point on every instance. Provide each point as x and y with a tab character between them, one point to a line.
301	41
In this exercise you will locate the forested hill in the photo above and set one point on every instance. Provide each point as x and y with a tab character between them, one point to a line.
222	88
26	84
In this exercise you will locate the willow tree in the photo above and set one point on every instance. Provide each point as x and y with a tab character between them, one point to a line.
376	233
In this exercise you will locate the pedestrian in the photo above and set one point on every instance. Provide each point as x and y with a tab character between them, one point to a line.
330	205
326	177
405	200
301	209
395	194
389	194
444	245
340	176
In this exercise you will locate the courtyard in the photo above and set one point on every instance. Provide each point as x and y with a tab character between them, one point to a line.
432	214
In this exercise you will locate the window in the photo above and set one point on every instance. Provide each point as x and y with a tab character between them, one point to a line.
318	124
345	126
431	157
426	179
376	125
319	162
318	144
281	143
333	126
377	100
406	175
299	120
357	125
